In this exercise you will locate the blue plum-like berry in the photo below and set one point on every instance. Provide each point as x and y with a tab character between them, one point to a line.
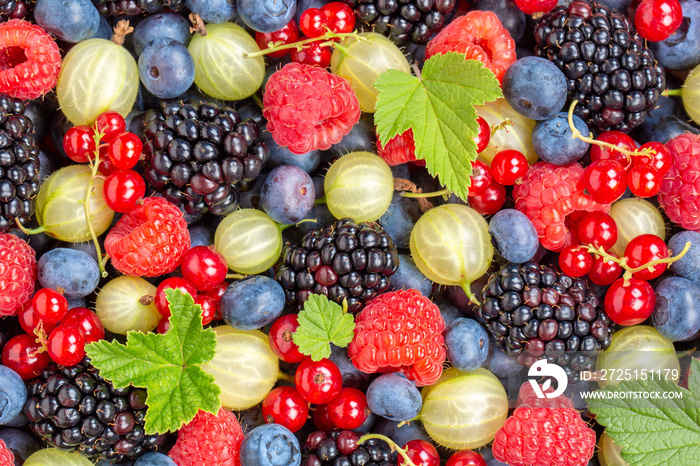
368	426
524	84
161	25
288	194
105	30
401	435
399	219
501	364
512	18
677	312
212	11
13	394
252	303
664	129
154	458
69	20
20	443
352	376
514	235
620	5
360	138
266	15
681	51
283	156
408	276
449	312
319	217
303	5
201	235
687	266
270	445
467	344
553	143
166	68
74	271
394	397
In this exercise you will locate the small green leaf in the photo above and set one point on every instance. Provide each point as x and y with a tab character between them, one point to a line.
439	108
654	431
321	323
166	365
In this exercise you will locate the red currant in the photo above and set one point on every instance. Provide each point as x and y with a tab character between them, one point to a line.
313	54
483	137
87	321
643	249
605	181
421	452
480	178
616	138
209	307
286	35
629	304
347	442
656	20
281	341
349	409
339	16
490	201
125	150
163	325
79	143
597	228
30	322
66	345
661	158
122	190
110	124
321	419
318	381
604	271
313	22
24	355
575	261
106	167
49	305
507	166
175	283
285	406
644	180
466	458
204	267
216	295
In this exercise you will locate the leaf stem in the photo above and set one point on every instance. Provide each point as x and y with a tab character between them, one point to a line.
325	39
629	271
94	166
392	444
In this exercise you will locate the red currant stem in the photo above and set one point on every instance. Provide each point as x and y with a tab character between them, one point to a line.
575	133
30	231
672	92
622	262
391	443
442	192
94	166
236	276
467	287
299	45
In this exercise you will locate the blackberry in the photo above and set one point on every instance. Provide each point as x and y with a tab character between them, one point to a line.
403	21
339	448
136	7
198	155
534	311
608	67
11	9
73	408
19	164
343	261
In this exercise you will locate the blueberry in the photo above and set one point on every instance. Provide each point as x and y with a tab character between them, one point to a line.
200	235
687	266
408	276
449	312
105	30
20	443
501	364
252	303
401	435
352	376
303	5
288	194
523	85
399	219
553	143
213	11
283	156
394	397
154	459
677	312
270	445
512	18
664	129
620	5
74	271
360	138
681	51
161	25
166	68
13	394
467	344
69	20
266	15
77	302
514	235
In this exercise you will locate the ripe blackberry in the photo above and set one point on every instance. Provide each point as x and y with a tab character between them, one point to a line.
534	311
403	21
19	164
11	9
339	447
199	154
73	408
136	7
343	261
608	67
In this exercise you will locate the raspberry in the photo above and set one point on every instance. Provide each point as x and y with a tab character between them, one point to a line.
400	331
209	439
399	149
678	195
308	108
553	198
150	240
30	61
17	274
6	456
545	432
480	36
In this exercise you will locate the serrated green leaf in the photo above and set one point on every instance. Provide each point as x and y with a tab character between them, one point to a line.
166	365
654	431
321	323
439	108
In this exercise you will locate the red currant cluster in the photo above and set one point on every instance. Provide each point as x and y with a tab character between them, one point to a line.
336	17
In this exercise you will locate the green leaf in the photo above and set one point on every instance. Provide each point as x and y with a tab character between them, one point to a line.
439	107
654	431
321	323
166	365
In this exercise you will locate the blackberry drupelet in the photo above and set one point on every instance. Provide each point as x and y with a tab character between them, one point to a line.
19	164
11	9
136	7
608	67
343	261
339	448
199	155
534	311
73	408
403	21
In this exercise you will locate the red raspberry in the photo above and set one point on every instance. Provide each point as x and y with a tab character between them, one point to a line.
481	36
554	199
149	240
547	432
30	61
7	458
209	439
399	149
308	108
681	185
400	331
17	274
